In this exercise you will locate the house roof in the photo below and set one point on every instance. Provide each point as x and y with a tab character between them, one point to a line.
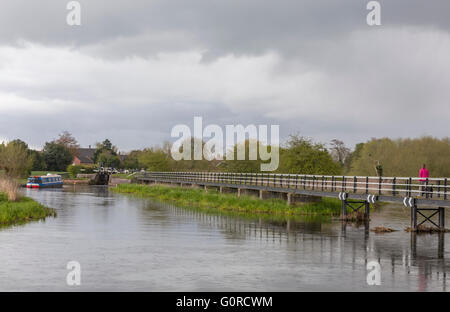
86	155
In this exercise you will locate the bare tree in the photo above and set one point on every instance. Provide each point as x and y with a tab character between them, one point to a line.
339	151
66	139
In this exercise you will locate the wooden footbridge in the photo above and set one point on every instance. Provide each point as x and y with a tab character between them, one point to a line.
425	197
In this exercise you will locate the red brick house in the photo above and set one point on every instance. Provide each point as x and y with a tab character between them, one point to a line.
84	156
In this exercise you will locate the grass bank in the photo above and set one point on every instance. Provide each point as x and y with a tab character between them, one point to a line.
197	198
22	210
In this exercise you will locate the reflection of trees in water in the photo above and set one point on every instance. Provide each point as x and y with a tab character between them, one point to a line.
337	243
404	255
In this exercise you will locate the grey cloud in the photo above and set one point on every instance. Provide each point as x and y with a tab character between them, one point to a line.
333	76
220	27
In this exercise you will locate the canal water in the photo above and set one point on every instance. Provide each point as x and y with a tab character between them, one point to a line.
130	244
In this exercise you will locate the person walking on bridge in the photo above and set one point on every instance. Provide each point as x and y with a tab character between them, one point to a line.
423	173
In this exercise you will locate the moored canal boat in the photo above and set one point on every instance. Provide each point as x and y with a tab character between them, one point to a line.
47	181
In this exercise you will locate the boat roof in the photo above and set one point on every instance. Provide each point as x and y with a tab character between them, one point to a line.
49	175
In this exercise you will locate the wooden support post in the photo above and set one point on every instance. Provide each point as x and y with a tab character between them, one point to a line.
220	189
441	218
441	245
413	244
289	199
367	210
414	217
239	192
344	208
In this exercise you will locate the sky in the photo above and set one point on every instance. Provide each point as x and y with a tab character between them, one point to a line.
134	69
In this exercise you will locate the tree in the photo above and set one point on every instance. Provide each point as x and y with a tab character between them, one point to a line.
107	159
38	161
244	165
105	146
339	151
403	157
132	160
66	139
192	164
56	156
356	154
155	159
301	155
15	159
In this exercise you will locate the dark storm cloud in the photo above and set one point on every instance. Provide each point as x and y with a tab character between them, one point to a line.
237	26
136	68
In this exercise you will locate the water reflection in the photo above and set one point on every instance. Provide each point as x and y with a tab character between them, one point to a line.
126	243
353	242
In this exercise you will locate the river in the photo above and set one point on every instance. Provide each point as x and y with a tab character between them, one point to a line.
130	244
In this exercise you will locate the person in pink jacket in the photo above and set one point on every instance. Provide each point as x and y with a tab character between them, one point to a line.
423	173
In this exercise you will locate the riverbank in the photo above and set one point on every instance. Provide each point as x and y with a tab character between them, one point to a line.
190	197
22	210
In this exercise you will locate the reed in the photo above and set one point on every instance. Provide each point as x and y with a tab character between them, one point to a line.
11	188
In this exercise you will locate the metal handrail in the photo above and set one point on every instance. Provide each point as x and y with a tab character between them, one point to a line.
394	186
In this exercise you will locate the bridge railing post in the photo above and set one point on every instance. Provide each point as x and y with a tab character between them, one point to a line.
439	189
445	189
394	181
410	187
380	180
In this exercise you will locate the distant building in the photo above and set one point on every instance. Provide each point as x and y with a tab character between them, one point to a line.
84	156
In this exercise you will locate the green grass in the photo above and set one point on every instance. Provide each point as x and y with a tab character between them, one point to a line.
213	200
21	211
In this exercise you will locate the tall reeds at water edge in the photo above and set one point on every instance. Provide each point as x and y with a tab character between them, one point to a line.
10	188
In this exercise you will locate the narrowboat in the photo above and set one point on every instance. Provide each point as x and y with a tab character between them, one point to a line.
49	180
